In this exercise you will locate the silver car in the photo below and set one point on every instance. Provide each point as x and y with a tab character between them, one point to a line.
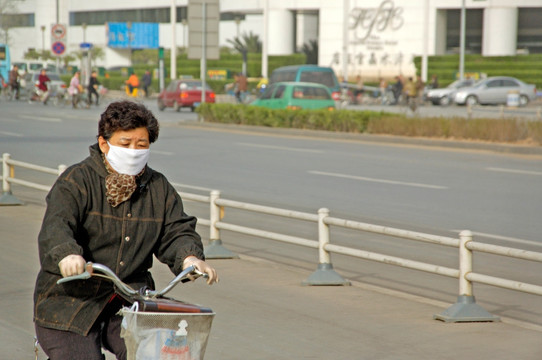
445	96
495	90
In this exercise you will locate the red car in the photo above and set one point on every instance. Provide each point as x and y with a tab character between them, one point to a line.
184	93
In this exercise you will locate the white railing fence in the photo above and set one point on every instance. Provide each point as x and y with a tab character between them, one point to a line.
464	310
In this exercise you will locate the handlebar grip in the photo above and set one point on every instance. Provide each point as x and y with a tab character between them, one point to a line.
83	276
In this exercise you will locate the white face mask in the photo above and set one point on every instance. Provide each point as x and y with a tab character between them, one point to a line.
127	161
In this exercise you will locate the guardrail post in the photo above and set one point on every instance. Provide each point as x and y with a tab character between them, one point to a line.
465	309
215	250
61	169
7	197
324	274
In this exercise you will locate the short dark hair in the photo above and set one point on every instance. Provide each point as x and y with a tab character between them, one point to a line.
127	115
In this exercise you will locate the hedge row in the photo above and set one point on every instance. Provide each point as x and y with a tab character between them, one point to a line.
524	67
370	122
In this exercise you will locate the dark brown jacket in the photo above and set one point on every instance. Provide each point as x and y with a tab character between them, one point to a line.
79	220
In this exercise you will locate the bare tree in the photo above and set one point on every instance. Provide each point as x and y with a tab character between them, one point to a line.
7	8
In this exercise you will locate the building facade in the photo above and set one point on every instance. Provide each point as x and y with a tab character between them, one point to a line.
356	37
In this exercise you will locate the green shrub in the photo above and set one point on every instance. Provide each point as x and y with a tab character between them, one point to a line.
370	122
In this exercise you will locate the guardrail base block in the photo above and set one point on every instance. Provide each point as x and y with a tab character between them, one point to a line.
325	275
8	199
215	250
466	310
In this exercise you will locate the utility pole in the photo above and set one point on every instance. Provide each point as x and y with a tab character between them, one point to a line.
173	58
462	42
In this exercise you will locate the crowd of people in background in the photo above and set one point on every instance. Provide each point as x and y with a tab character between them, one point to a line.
403	90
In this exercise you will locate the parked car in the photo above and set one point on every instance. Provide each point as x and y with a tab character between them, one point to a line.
184	93
445	96
495	90
296	95
308	73
56	86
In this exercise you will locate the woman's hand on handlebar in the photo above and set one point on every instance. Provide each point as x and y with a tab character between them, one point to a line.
72	265
203	267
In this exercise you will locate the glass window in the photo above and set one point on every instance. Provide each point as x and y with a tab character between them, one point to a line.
319	77
17	20
310	92
494	83
268	92
279	76
280	92
509	83
153	15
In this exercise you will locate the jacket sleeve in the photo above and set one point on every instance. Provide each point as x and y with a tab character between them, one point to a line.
57	237
179	238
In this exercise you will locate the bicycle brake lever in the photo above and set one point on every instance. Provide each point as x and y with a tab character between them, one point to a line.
83	276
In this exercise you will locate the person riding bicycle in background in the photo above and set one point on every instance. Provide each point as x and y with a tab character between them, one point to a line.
132	83
113	209
75	89
43	79
14	81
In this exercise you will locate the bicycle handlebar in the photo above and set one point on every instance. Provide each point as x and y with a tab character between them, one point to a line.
125	289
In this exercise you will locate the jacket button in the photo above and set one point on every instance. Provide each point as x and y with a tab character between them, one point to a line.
127	238
121	263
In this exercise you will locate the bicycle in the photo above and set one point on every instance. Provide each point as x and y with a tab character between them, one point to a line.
155	326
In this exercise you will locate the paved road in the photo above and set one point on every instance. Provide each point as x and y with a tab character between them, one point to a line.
264	313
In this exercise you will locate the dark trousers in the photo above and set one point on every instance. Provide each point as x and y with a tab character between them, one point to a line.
92	91
61	345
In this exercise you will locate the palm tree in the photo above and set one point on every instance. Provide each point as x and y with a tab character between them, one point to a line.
311	51
248	43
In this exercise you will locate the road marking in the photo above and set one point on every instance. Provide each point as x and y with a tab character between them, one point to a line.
39	118
162	152
514	171
505	238
383	181
280	148
10	134
191	187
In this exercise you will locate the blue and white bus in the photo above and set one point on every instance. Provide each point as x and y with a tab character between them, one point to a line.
5	61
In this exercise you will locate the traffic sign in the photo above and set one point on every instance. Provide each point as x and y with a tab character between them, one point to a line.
58	48
58	31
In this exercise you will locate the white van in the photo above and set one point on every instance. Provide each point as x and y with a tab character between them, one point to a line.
31	66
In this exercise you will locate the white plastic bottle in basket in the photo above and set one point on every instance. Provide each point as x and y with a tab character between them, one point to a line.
176	347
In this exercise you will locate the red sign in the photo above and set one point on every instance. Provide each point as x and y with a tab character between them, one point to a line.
58	48
58	31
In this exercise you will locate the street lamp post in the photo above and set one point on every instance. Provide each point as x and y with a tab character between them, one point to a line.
43	39
185	35
84	27
462	42
237	20
129	27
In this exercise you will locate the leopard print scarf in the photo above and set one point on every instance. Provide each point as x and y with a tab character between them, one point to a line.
119	187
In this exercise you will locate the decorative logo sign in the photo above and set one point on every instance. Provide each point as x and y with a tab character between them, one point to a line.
367	22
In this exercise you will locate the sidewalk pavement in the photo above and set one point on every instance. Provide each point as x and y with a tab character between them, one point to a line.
263	312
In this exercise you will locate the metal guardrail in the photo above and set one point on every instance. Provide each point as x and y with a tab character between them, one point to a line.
464	310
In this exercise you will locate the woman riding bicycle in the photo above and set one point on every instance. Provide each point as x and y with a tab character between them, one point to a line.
113	209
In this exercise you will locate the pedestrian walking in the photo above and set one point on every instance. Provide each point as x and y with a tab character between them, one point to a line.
146	82
92	88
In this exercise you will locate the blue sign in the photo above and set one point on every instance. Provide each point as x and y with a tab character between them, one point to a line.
85	46
134	35
58	48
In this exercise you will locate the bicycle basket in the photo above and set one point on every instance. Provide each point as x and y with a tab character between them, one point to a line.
160	335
